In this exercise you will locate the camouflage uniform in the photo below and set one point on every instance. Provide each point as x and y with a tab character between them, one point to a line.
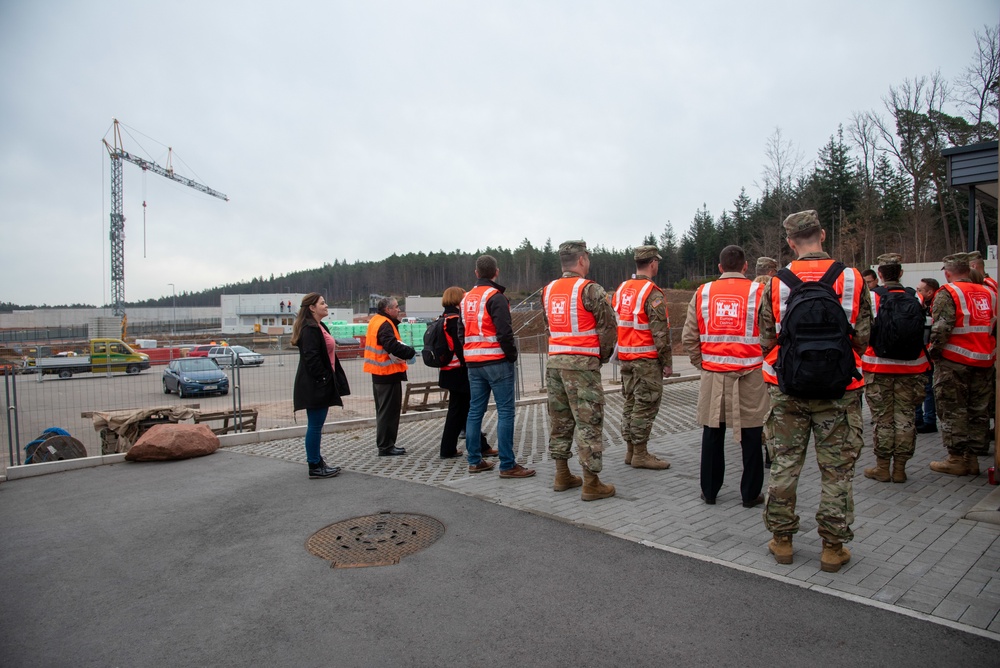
835	424
575	392
642	379
962	393
764	266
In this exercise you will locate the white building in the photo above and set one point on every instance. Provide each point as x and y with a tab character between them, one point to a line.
246	314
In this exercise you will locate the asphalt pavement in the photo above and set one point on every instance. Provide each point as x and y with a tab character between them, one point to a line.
204	563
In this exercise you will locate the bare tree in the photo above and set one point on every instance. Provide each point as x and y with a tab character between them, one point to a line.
977	86
782	170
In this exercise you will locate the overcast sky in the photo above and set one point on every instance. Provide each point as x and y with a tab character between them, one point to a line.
354	130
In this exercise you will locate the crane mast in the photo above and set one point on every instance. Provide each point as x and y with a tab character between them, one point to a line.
117	234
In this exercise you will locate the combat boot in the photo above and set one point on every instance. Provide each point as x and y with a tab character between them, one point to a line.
628	453
594	489
781	547
834	556
644	459
564	479
898	470
879	472
952	465
971	463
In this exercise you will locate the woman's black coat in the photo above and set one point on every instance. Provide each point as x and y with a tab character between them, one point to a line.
318	384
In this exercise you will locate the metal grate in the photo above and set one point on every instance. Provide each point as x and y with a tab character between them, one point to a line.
374	540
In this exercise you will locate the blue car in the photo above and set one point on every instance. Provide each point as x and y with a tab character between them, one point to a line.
189	376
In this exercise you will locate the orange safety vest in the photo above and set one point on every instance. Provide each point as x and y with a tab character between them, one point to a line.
377	359
454	363
635	341
572	328
872	363
991	283
848	288
727	323
481	343
972	342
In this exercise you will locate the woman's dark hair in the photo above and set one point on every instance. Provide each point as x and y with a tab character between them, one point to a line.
304	313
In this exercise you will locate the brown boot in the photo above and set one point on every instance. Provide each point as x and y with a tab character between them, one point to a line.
628	453
781	547
898	469
971	463
594	489
834	556
564	479
879	472
644	459
952	465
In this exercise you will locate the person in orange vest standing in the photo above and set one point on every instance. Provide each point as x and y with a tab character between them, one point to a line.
894	387
794	413
486	337
963	348
385	360
977	269
582	336
766	268
721	338
645	354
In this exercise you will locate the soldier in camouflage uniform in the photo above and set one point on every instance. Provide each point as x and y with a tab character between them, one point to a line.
977	272
645	354
766	268
581	328
963	348
893	388
835	424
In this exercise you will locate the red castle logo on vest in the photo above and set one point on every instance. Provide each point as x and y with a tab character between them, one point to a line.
727	311
558	314
981	307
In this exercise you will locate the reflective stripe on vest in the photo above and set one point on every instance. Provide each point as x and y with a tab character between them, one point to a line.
572	328
847	286
727	324
872	363
635	341
377	359
481	344
971	341
991	283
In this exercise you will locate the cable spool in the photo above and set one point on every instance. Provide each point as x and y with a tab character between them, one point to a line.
53	445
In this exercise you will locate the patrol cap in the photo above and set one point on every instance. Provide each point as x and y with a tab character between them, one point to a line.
766	263
800	223
572	248
955	261
974	255
889	258
647	253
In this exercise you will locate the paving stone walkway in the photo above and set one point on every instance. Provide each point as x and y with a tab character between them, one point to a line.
913	549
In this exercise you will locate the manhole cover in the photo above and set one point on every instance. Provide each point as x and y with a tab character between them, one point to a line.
374	540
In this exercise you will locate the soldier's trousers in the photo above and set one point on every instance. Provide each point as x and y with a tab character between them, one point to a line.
893	399
642	389
962	395
837	429
576	408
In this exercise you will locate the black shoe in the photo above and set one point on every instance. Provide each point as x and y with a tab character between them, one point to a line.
391	452
756	502
927	429
321	470
458	453
710	502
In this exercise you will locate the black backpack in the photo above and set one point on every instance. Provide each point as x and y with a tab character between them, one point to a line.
898	328
438	347
815	358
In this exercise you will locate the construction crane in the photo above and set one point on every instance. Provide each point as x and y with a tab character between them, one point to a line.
117	235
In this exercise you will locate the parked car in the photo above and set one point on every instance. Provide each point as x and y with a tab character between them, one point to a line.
349	349
189	376
200	351
224	356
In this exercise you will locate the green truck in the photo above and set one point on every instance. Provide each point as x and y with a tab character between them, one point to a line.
106	356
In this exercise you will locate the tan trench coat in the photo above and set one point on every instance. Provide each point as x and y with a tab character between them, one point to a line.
737	398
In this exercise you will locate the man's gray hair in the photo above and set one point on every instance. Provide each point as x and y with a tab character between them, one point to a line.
383	303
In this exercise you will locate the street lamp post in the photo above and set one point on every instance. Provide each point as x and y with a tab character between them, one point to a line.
173	321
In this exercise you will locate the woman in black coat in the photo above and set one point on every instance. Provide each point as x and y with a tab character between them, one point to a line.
454	377
320	381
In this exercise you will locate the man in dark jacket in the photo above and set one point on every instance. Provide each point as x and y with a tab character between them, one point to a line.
385	359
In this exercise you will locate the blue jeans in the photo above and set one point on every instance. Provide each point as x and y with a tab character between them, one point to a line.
498	378
315	418
926	413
